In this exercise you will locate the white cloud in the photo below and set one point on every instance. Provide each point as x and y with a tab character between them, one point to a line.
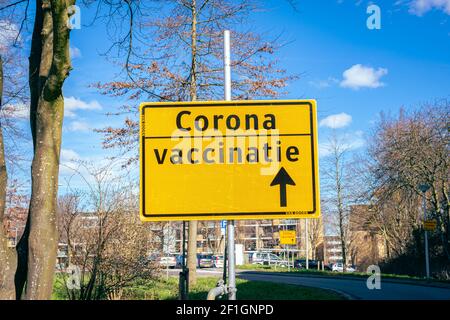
16	111
420	7
336	121
68	161
324	150
400	2
76	171
348	142
78	126
359	76
75	52
8	33
69	155
321	84
71	104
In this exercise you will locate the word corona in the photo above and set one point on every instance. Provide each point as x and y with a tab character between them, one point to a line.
232	121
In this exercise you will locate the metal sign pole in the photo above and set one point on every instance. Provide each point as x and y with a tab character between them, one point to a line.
230	224
184	274
424	188
231	262
225	258
224	274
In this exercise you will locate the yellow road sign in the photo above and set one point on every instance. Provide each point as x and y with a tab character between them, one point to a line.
430	225
229	160
288	237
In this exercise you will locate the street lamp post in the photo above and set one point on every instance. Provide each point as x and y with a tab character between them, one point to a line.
424	188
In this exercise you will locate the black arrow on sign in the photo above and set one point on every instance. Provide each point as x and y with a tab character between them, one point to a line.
282	178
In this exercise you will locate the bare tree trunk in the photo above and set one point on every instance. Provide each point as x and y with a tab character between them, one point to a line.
339	188
34	84
49	67
193	83
341	214
315	234
7	255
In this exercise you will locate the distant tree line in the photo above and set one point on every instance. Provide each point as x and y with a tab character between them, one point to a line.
406	151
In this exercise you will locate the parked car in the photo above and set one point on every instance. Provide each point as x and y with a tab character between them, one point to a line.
164	261
339	267
267	258
301	264
218	261
351	268
205	261
169	261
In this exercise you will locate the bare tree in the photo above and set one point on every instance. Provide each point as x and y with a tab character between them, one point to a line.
183	61
104	236
12	96
7	255
315	234
211	233
336	189
49	65
406	151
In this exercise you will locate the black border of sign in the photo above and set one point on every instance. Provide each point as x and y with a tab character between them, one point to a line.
228	104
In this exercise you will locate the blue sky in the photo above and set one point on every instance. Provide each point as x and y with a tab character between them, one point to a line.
354	73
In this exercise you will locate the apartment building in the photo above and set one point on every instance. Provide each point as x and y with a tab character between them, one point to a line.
367	246
16	218
255	236
263	235
364	245
332	249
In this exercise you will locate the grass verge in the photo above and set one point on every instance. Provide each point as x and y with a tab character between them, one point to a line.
167	289
261	290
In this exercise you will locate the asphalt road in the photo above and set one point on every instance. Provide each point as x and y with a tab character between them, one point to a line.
357	289
351	288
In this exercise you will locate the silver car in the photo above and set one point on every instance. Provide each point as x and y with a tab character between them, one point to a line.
267	258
